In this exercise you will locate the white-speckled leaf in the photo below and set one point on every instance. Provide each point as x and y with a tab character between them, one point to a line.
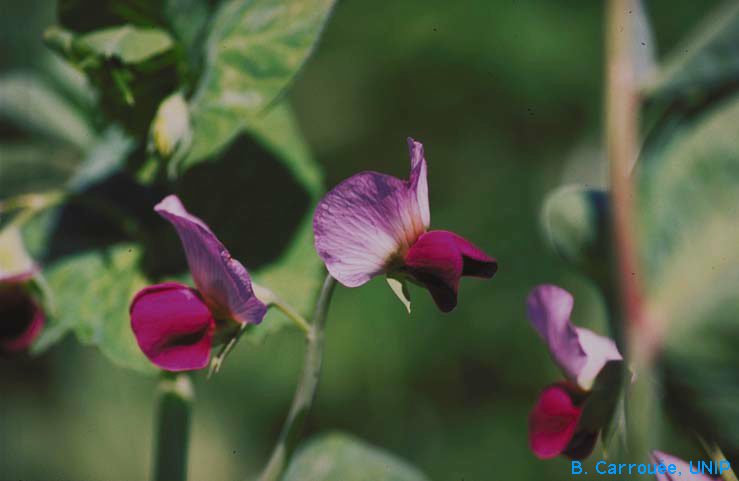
91	295
689	196
340	457
128	43
254	50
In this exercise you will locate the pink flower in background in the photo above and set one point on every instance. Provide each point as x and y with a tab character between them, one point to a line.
21	316
175	324
581	355
681	467
374	223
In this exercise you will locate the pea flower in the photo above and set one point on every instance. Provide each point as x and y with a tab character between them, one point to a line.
174	324
682	470
21	316
372	223
581	355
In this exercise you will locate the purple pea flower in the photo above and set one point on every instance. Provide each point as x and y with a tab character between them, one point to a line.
373	223
174	324
21	316
580	354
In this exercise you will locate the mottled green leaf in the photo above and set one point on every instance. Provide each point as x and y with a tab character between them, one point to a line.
91	295
254	50
689	198
339	457
706	62
127	43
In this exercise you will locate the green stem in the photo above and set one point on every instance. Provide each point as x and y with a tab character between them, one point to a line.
305	391
622	141
271	298
173	427
293	315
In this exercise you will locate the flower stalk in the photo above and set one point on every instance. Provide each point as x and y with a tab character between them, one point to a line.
622	137
176	395
305	391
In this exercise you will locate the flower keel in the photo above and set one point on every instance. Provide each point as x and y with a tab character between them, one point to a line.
173	326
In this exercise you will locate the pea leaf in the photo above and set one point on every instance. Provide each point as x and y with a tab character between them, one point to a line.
127	43
705	63
340	457
30	103
689	195
91	295
253	52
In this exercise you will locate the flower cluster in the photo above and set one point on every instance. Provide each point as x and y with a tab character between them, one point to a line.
369	224
581	355
174	324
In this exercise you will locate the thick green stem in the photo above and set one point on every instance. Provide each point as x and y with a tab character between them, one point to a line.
305	391
622	137
173	427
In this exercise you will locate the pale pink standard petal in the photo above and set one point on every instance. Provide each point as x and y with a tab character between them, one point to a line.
579	353
369	221
173	326
222	281
553	421
598	351
681	467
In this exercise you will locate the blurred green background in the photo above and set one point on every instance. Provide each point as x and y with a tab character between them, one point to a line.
506	97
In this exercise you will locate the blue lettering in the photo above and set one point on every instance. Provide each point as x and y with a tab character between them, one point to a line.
723	465
576	467
671	469
598	468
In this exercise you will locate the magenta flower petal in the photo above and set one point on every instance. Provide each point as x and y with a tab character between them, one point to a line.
21	319
579	352
439	259
435	262
370	220
659	457
553	421
173	326
222	281
475	262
